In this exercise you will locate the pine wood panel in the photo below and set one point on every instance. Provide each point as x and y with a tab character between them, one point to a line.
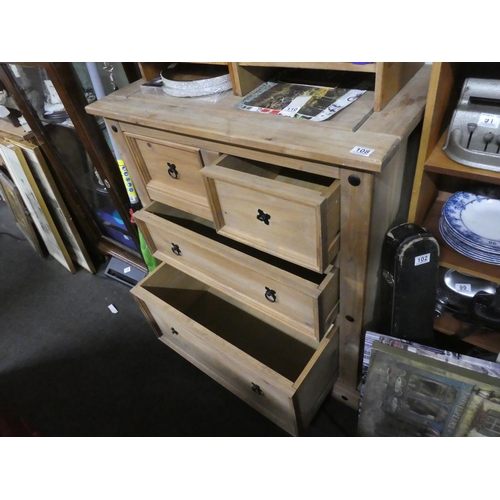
390	78
356	203
322	142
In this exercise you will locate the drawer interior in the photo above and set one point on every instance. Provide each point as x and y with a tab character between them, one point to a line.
281	174
207	307
207	229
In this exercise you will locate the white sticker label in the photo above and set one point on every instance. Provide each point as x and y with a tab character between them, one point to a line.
112	308
489	121
358	150
127	270
295	105
463	287
422	259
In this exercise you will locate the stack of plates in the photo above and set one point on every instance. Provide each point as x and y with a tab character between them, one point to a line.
470	224
185	80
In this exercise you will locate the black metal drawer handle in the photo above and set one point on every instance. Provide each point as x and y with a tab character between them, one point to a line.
172	170
176	249
174	331
262	216
270	295
256	389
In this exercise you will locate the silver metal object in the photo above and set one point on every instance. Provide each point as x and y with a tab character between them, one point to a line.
466	285
474	133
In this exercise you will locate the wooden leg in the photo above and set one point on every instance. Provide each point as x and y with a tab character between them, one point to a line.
355	209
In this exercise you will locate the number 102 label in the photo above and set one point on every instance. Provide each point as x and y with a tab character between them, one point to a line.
422	259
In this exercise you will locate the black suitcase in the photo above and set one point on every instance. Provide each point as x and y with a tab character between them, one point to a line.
410	266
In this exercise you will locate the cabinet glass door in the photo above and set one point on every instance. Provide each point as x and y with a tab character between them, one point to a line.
39	90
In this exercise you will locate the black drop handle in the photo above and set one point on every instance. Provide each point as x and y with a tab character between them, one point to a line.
270	294
172	170
174	331
256	389
262	216
176	249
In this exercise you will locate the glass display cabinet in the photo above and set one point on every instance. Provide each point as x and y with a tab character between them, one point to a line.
52	98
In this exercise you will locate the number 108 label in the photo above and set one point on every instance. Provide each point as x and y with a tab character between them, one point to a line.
362	151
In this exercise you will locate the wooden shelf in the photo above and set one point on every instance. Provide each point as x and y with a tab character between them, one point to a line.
16	133
390	77
449	257
481	337
439	163
334	66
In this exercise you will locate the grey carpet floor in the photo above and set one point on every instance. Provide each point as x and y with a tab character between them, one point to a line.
70	367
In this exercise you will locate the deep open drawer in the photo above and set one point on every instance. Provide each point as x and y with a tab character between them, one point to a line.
278	375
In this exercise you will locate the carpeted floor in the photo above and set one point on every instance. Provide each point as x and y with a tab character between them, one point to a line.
69	367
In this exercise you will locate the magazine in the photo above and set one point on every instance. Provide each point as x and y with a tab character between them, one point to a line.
306	102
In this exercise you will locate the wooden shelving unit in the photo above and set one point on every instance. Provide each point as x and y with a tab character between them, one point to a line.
390	78
437	177
481	337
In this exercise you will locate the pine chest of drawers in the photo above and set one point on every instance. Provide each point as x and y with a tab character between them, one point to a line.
269	232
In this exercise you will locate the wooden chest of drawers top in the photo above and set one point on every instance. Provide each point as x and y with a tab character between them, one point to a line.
223	125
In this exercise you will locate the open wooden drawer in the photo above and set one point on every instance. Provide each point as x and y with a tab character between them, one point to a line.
288	213
281	377
303	299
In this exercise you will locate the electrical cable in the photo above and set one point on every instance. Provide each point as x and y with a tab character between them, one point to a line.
13	236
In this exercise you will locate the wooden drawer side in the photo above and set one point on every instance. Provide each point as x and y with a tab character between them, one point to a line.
331	242
317	379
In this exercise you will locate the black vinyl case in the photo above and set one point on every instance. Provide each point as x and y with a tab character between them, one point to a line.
410	266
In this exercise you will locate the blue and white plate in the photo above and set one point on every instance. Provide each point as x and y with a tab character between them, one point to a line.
452	233
464	249
475	219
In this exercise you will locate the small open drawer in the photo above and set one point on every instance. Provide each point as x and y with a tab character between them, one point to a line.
278	375
303	299
288	213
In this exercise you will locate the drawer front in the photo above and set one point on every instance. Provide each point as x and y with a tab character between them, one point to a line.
170	172
287	220
304	305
